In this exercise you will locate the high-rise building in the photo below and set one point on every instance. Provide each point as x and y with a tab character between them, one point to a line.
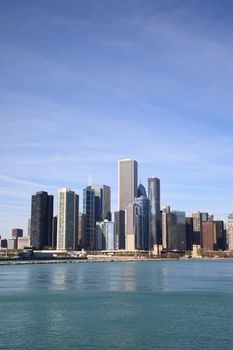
198	218
54	233
89	211
142	212
155	214
174	229
17	232
127	192
208	235
102	202
105	235
165	225
220	235
230	231
137	222
109	233
82	231
67	219
119	218
127	182
189	233
130	227
41	220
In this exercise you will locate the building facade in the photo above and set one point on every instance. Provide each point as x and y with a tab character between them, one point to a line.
67	219
155	215
102	202
89	211
127	182
41	220
17	232
230	232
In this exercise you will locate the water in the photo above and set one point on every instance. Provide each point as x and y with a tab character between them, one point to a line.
137	305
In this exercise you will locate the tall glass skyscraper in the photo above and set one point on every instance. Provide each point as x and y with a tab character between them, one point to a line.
142	212
155	215
41	220
102	202
67	219
89	211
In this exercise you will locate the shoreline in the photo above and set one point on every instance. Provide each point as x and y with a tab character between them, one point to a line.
12	262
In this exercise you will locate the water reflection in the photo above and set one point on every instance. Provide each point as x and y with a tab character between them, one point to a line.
158	276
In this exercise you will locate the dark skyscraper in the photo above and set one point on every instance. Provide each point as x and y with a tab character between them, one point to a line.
177	231
89	211
119	218
189	233
41	220
102	202
155	215
142	211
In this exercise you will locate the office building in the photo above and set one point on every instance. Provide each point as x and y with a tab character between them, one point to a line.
54	232
230	232
4	243
67	219
82	231
102	202
189	233
198	218
208	235
165	225
89	211
105	235
130	227
100	239
127	182
119	218
142	212
41	220
23	242
173	229
155	214
220	235
17	232
12	243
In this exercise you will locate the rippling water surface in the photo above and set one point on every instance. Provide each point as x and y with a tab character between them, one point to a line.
133	305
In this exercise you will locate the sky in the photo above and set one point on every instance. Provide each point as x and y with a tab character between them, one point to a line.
85	83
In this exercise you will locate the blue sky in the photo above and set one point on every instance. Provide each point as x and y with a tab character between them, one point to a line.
85	83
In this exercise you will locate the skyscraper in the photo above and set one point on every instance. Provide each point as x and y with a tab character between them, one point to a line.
165	225
119	218
102	202
127	182
105	235
67	219
208	235
142	219
127	192
177	231
41	220
89	211
155	215
230	231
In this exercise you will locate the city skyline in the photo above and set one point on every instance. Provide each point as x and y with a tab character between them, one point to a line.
83	88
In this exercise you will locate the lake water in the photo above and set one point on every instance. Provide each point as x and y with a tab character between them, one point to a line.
132	305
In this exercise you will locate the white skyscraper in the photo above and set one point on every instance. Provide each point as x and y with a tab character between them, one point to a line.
127	182
67	219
